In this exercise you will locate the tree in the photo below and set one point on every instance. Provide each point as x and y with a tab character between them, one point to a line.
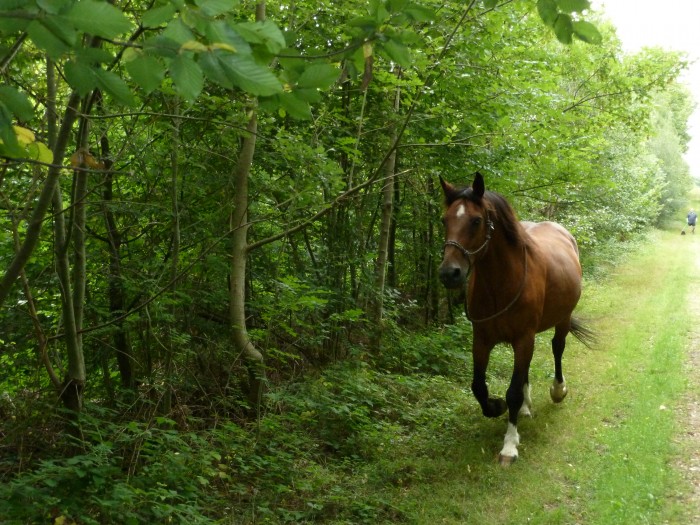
297	130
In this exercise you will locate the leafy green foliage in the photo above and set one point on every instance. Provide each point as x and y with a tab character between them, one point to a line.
560	16
583	135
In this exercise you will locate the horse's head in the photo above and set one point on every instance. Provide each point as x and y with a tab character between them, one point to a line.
468	229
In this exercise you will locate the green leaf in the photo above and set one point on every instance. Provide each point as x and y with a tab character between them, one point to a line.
17	103
115	86
379	12
162	46
420	13
490	4
61	29
296	107
397	52
98	18
221	32
548	11
146	71
216	7
321	76
250	76
39	151
80	77
587	32
9	26
12	5
397	6
573	6
564	29
214	70
310	95
292	61
13	151
178	32
9	145
93	55
365	22
158	15
262	33
53	7
46	40
187	76
16	4
50	482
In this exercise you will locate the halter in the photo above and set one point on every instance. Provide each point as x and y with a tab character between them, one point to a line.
467	254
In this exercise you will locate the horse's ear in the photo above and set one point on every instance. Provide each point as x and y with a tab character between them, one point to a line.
447	188
478	185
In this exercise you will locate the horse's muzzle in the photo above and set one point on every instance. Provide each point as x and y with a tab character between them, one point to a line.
451	275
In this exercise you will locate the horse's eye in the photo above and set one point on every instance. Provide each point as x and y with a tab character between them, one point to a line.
476	221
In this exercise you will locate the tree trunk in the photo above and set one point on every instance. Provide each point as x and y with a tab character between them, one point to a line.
74	382
391	277
239	253
115	284
377	302
77	224
239	258
175	260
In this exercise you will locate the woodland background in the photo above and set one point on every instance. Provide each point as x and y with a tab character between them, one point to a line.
220	226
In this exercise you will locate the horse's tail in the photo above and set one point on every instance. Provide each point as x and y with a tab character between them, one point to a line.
583	333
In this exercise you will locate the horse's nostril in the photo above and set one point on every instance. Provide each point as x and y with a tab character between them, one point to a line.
451	276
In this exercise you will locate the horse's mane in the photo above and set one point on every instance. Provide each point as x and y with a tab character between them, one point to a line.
499	209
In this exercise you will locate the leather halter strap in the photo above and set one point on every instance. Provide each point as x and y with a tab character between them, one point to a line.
466	253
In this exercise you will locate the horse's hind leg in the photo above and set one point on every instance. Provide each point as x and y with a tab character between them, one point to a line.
558	389
526	407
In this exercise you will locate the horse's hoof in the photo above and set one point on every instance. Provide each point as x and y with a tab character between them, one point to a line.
558	392
496	407
506	461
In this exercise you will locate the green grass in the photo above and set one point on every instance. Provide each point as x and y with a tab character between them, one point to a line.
601	457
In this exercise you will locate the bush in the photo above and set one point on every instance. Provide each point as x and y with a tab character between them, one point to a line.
437	352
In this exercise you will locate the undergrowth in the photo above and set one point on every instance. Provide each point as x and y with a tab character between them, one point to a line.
334	446
319	445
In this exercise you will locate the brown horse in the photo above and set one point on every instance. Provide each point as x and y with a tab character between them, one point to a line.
523	278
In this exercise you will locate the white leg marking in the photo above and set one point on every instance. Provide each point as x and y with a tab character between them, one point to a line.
511	442
461	211
558	390
526	409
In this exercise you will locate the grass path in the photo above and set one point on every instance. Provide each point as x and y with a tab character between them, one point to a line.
622	448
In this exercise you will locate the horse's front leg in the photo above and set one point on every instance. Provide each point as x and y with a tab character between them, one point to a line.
517	398
490	406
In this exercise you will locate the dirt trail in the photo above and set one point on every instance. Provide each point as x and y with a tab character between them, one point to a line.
689	465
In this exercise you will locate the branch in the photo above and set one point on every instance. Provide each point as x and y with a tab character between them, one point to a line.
37	218
340	198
